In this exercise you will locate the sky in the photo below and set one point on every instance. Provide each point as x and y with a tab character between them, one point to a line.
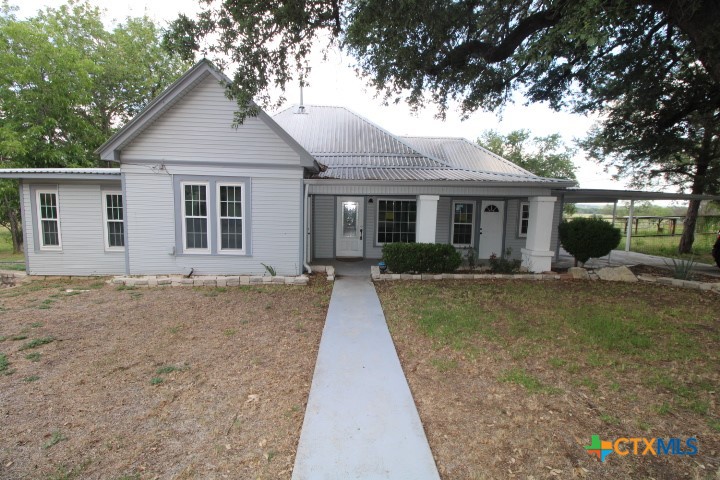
334	82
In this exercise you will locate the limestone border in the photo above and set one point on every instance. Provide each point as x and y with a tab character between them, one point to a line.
382	277
205	280
327	269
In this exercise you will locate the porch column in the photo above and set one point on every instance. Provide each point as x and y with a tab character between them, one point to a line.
426	218
537	256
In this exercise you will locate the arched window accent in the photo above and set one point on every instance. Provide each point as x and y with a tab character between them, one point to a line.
492	209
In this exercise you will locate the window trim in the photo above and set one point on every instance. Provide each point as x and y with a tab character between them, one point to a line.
230	251
520	219
208	204
377	217
105	194
472	224
38	212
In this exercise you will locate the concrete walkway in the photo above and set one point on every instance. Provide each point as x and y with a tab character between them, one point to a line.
361	421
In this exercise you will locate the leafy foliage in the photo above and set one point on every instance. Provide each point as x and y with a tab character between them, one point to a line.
586	238
543	156
67	83
503	263
421	257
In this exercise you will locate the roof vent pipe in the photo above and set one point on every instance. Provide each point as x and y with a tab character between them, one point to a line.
301	108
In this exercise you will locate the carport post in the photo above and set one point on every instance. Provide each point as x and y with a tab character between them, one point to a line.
614	212
628	234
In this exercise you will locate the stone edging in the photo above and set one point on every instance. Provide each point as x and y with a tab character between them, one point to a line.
327	269
206	280
675	282
380	277
10	278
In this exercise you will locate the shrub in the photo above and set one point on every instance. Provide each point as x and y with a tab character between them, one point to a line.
421	257
586	238
504	264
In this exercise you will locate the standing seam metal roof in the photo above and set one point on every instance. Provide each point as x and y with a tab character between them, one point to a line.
351	147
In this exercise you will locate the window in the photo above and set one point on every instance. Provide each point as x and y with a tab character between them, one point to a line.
114	226
524	219
195	217
396	221
49	220
231	215
463	224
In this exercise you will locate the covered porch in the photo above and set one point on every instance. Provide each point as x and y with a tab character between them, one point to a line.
353	222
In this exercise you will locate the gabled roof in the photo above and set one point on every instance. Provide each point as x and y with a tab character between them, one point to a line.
111	149
353	148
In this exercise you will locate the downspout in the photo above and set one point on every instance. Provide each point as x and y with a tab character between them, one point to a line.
306	243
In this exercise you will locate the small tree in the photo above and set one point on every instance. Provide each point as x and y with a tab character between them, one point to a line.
586	238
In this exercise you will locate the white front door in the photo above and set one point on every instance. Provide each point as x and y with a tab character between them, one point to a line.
350	227
492	218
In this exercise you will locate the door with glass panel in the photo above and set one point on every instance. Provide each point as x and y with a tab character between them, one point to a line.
349	231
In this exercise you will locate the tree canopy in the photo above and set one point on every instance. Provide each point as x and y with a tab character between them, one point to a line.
67	83
544	156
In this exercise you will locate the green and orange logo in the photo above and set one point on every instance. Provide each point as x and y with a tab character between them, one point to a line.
641	446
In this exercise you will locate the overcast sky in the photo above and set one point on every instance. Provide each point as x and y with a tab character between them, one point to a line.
333	82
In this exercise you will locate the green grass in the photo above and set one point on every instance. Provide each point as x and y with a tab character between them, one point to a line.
165	369
33	357
667	247
444	364
585	335
156	381
55	438
531	383
4	363
30	379
36	343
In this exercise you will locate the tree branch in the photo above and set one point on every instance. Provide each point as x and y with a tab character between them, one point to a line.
460	55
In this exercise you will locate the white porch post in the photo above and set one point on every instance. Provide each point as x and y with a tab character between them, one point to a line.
537	256
426	218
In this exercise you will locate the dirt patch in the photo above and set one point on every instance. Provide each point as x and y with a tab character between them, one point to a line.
510	382
155	383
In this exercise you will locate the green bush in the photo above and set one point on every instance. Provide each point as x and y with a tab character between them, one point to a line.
421	257
504	264
586	238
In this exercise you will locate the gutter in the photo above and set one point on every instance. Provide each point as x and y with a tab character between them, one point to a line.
306	243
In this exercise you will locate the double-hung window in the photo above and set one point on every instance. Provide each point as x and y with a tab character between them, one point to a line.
195	218
463	225
524	219
48	213
231	215
113	221
396	221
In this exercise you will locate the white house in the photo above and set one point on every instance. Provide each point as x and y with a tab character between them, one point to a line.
193	193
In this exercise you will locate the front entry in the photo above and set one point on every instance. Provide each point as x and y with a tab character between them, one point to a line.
349	229
492	218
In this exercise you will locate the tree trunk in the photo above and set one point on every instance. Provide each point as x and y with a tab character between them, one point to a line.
13	217
688	235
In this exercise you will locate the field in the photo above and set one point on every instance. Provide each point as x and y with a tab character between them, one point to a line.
512	379
106	382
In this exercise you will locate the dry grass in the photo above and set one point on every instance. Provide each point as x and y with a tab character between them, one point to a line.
155	383
512	378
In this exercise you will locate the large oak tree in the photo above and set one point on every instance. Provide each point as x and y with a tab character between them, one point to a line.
583	55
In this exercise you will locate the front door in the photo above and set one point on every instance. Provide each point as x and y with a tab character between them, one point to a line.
492	218
350	227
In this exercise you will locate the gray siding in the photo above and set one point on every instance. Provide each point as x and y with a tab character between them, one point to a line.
81	229
274	221
512	228
199	128
323	226
442	232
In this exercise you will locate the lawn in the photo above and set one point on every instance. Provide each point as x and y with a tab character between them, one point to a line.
8	259
99	381
512	378
667	247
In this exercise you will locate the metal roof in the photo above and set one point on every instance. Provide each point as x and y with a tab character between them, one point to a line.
596	195
461	153
53	173
350	147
